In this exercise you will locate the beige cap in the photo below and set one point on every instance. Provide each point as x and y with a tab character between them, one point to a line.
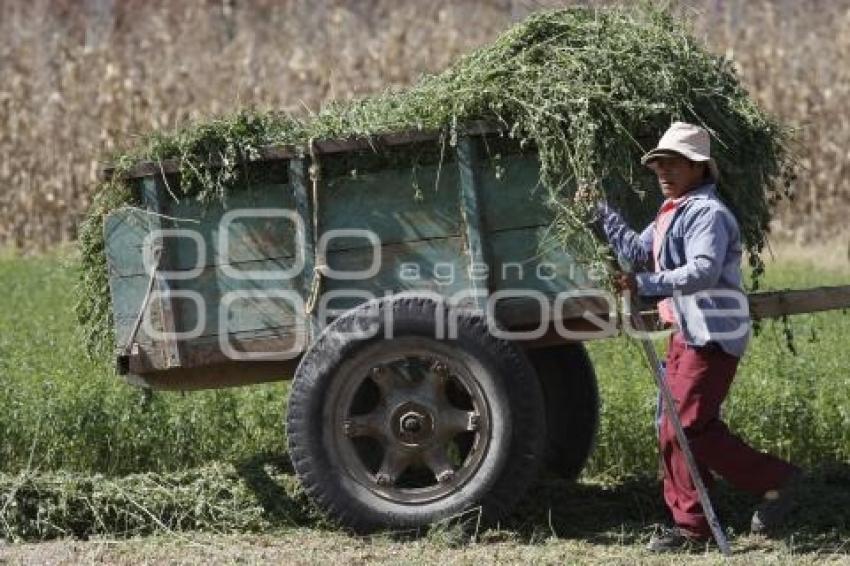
687	140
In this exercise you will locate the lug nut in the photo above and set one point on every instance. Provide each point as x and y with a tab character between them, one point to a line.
383	479
411	423
446	476
440	368
474	422
347	428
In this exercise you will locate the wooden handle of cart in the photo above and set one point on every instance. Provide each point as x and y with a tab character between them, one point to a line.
774	304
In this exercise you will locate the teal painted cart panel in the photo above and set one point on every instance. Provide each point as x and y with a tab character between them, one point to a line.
511	194
473	221
251	236
395	204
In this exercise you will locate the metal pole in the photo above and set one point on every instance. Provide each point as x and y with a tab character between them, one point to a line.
673	415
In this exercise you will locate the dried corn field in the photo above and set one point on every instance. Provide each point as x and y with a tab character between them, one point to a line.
81	79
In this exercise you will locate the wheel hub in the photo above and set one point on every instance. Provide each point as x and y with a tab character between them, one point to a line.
412	423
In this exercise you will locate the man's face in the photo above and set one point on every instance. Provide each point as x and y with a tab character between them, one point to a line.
676	174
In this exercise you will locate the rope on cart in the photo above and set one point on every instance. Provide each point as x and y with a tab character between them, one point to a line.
157	251
320	268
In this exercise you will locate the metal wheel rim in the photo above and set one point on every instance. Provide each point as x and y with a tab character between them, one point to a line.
433	450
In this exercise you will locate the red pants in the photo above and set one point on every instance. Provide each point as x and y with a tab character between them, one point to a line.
699	378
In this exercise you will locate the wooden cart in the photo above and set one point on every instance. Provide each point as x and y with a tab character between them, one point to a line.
441	408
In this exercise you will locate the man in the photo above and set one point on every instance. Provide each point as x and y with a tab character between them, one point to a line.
692	257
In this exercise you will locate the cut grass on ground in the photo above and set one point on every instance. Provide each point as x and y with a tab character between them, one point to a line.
307	546
590	522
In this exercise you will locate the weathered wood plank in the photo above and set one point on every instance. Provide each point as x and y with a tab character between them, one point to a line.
773	304
347	204
398	205
521	312
172	166
257	229
214	375
532	259
127	298
273	153
153	195
468	159
299	179
254	313
438	266
124	236
208	351
511	194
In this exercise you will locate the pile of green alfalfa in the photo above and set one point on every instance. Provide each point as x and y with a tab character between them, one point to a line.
591	89
222	498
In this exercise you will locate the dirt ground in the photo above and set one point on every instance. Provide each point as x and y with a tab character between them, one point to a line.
310	546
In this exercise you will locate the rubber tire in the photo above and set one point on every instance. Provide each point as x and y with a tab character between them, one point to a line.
496	486
572	406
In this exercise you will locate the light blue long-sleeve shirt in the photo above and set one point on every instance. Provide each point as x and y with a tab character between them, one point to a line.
700	268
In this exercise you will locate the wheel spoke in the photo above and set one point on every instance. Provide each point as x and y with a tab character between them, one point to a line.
454	421
385	378
411	374
371	424
438	378
394	463
438	462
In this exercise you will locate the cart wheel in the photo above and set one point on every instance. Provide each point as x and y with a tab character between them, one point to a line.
572	406
405	430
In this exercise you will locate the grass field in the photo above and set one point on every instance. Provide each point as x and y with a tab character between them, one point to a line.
64	417
59	410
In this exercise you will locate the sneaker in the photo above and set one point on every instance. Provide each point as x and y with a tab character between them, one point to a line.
775	506
672	539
